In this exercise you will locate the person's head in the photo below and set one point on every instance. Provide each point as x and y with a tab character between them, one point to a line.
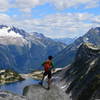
50	57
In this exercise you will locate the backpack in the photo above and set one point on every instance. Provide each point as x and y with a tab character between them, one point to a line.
47	65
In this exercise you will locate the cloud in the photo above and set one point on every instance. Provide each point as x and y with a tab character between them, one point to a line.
27	5
4	5
93	4
96	20
61	4
4	19
56	25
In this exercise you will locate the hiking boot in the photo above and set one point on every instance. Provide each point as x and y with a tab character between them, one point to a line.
48	88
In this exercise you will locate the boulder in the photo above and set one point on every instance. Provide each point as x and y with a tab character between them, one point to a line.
37	92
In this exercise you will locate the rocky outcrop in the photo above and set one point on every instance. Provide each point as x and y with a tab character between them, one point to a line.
82	78
67	56
10	96
9	76
37	92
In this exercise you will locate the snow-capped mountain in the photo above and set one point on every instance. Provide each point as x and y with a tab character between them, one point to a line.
23	51
38	35
11	35
7	31
67	55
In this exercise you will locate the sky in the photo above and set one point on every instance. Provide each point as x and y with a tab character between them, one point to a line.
53	18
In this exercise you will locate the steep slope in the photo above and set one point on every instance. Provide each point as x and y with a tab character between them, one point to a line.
83	76
24	52
67	55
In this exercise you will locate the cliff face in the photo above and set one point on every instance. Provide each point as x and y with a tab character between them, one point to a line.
83	76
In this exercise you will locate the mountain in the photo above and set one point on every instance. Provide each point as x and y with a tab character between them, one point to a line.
23	51
82	77
67	55
65	40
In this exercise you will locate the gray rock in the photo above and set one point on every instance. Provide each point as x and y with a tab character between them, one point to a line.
37	92
10	96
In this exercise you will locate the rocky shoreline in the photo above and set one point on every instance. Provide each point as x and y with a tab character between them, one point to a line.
9	76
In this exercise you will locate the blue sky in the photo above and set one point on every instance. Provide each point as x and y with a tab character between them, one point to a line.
53	18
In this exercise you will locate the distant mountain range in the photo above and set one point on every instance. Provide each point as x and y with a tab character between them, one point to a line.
23	51
67	55
66	40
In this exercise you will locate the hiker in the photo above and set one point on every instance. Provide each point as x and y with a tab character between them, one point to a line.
48	66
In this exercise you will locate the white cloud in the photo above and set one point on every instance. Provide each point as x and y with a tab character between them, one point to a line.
56	25
93	4
96	19
4	5
4	19
61	4
27	5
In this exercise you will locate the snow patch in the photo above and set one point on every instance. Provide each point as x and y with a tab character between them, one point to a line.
4	32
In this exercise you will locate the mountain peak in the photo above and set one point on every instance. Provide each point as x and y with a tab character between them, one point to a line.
11	31
2	26
17	30
97	28
94	30
7	31
38	35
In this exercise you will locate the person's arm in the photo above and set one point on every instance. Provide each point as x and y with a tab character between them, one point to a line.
43	63
53	66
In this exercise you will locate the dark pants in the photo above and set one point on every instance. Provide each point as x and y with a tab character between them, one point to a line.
48	73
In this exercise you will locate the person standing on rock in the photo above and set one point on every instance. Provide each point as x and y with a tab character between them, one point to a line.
48	66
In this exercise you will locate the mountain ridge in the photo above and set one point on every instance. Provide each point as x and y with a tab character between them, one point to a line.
67	55
23	51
